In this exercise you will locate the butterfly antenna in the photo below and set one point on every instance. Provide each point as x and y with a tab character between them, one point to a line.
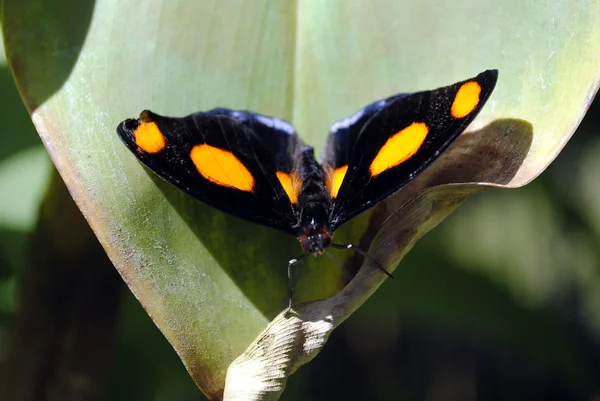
291	264
364	254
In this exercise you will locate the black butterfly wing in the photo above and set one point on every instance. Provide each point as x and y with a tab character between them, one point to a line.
239	162
344	133
374	153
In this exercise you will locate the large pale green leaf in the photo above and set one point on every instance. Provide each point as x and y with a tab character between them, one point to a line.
211	282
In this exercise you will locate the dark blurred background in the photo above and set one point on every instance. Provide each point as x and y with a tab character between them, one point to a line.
500	302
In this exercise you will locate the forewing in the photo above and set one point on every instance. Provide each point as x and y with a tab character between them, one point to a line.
341	140
239	162
381	148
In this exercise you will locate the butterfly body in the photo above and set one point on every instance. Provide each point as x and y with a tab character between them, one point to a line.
314	206
256	167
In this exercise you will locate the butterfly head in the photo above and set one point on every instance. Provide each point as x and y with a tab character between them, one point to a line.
315	240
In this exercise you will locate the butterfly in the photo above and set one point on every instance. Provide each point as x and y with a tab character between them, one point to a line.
257	168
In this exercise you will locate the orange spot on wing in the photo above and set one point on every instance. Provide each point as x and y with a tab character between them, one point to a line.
221	167
399	148
334	180
466	99
149	138
291	184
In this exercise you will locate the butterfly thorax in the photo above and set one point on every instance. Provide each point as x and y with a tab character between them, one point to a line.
314	203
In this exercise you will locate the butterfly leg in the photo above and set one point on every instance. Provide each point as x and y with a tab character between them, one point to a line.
291	264
364	254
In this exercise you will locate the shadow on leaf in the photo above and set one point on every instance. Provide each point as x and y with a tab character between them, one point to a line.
256	257
488	157
42	59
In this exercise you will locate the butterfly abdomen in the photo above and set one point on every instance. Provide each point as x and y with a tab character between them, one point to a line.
314	203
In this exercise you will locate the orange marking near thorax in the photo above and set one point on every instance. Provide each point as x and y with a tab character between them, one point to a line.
334	179
399	148
221	167
291	184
